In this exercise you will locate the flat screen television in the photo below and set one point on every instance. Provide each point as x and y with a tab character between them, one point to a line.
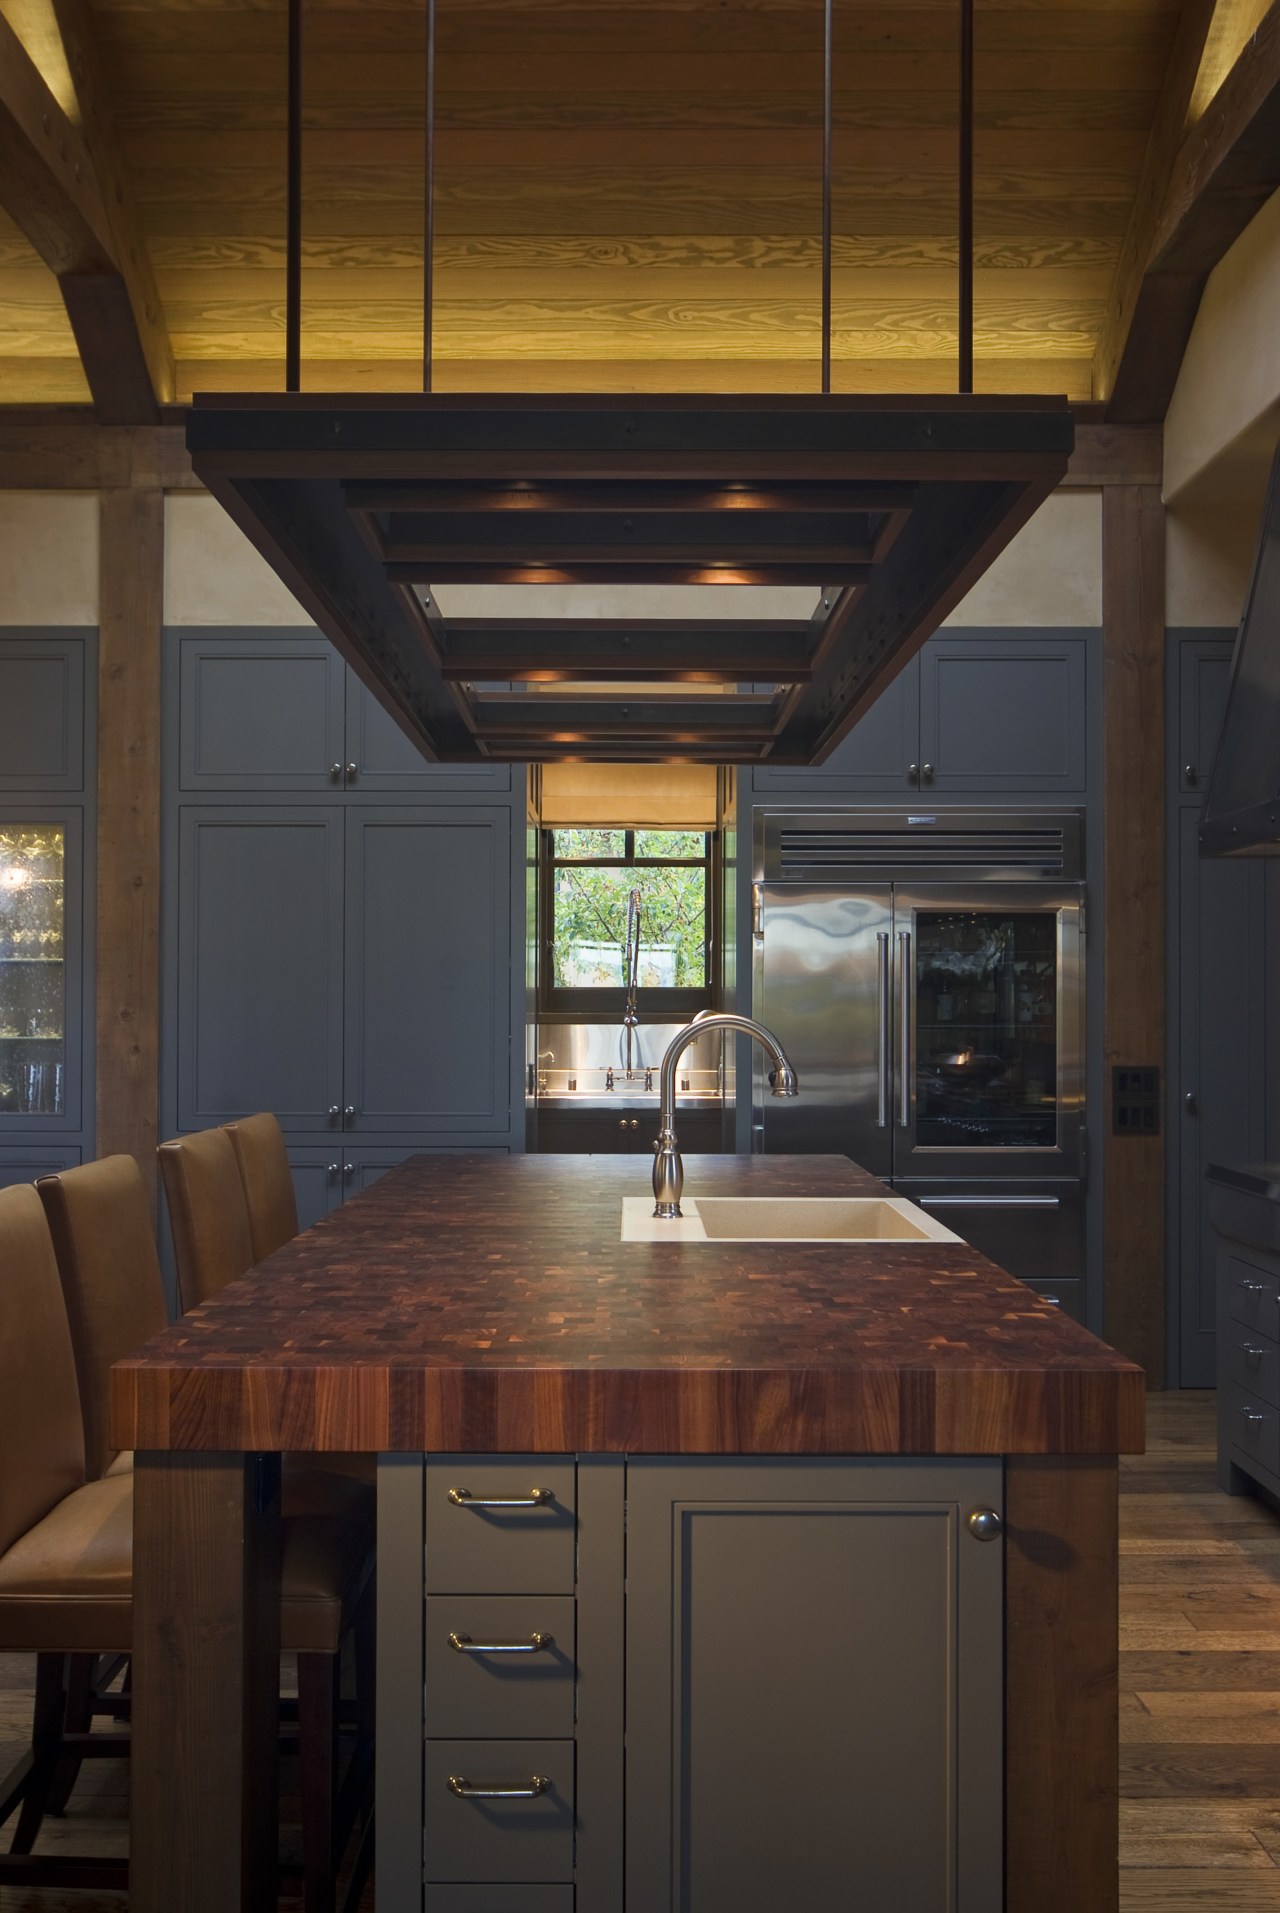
1242	806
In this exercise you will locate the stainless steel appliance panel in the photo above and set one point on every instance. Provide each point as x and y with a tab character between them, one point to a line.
1034	1229
823	979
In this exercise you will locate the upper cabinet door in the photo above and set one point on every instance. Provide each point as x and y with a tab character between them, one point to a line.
380	757
1204	674
428	1016
261	712
1003	716
879	752
41	714
260	965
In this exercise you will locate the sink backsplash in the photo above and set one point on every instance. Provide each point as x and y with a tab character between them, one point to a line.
576	1058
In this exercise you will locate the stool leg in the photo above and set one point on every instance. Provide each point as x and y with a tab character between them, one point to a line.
82	1672
319	1688
46	1741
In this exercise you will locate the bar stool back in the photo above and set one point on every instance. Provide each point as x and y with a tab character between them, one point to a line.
99	1220
209	1216
267	1180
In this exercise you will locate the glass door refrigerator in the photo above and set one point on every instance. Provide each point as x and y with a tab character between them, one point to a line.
925	974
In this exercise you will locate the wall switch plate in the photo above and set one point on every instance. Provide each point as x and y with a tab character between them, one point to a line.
1135	1100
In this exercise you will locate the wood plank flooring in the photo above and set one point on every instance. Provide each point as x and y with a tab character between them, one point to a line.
1199	1709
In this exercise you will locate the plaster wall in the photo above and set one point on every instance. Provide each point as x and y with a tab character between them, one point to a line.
213	575
1049	575
1230	376
48	558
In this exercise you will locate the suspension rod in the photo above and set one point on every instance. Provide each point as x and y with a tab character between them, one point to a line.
966	198
826	193
293	209
429	200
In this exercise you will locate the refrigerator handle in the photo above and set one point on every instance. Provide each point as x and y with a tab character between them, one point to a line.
904	1028
883	1061
757	910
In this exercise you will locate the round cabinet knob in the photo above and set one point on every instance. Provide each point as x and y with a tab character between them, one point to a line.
926	771
1190	1100
986	1524
350	1112
913	773
622	1122
1191	774
332	1169
635	1122
351	773
335	771
334	1112
348	1169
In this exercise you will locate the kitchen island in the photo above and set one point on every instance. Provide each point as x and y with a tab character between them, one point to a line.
769	1419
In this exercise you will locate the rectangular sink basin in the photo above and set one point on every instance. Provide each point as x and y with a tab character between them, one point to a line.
784	1219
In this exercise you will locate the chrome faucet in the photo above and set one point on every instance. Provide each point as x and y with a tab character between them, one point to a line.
630	1015
668	1170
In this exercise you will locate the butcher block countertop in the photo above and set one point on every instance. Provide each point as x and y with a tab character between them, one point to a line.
486	1303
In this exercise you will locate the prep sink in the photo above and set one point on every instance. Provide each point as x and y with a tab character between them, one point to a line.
784	1219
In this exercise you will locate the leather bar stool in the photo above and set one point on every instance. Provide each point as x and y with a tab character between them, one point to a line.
66	1545
231	1203
267	1181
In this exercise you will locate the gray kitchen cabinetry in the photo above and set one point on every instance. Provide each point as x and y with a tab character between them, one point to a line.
606	1132
46	818
272	710
1244	1200
345	967
1218	965
1000	715
803	1661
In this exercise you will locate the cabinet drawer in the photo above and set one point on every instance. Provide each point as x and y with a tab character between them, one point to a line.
499	1899
524	1548
1253	1295
527	1691
1253	1427
1253	1363
523	1840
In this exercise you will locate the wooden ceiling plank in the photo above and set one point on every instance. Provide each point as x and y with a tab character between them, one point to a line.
673	651
63	187
1223	171
446	497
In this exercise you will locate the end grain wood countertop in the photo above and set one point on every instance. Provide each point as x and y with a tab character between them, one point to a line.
486	1303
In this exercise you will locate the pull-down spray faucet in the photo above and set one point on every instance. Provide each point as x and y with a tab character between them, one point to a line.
668	1170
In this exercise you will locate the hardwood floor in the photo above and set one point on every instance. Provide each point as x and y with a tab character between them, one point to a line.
1199	1695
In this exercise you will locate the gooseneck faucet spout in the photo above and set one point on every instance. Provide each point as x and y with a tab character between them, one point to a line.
668	1170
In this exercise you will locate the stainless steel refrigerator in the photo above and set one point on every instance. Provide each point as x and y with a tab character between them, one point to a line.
925	974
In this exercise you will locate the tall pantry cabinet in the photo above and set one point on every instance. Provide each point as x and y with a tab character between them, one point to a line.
343	919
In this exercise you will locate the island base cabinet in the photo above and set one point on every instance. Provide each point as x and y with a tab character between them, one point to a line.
814	1689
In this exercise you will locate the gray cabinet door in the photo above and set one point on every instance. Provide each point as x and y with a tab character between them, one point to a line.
263	711
380	757
811	1644
1218	1100
1005	714
41	714
260	965
428	918
876	755
1204	673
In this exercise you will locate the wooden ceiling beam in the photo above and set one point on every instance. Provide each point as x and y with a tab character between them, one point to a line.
752	651
496	566
465	499
64	187
1220	175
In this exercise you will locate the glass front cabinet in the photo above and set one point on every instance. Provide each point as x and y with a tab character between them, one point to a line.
41	937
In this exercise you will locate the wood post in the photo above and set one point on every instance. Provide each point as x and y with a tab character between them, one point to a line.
131	612
1062	1827
1134	909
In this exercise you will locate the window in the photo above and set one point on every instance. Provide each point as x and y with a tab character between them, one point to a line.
588	878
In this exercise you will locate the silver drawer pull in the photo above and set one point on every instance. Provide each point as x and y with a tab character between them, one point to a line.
459	1784
1251	1414
989	1202
536	1498
463	1644
1251	1351
1252	1288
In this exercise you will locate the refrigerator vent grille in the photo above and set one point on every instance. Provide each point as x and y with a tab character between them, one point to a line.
1043	851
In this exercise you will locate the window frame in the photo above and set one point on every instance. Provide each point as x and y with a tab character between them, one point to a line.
606	1005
